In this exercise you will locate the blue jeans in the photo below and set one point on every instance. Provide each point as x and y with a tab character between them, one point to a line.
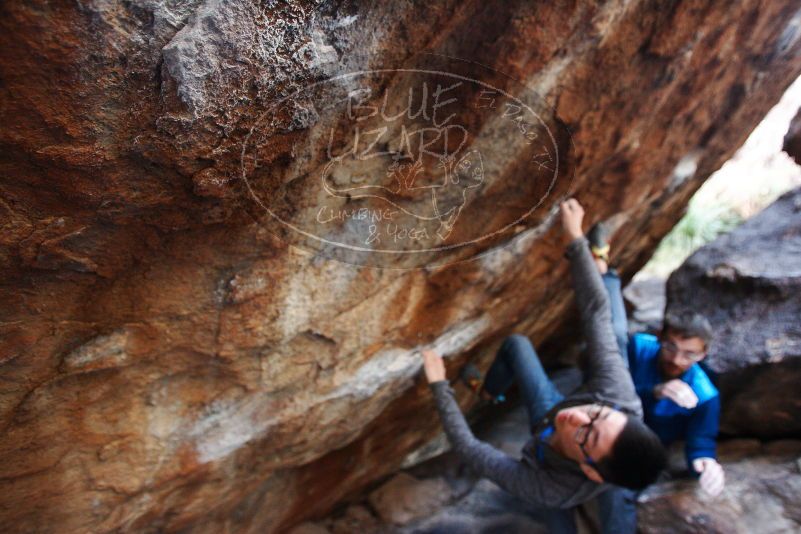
517	360
619	321
618	510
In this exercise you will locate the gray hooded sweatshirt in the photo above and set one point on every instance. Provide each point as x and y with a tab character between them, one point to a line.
551	480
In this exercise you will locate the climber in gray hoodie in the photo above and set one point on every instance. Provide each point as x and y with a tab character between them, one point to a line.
580	444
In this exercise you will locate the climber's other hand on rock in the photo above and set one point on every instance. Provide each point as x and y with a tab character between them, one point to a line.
433	365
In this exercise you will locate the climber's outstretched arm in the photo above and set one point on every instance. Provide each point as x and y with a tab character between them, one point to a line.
510	474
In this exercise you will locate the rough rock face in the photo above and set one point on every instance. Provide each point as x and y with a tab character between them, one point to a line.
645	300
748	283
169	363
763	492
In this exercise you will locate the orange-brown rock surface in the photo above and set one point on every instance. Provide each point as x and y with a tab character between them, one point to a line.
169	363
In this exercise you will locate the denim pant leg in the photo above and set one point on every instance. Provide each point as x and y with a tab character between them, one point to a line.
560	520
619	321
618	511
517	360
618	506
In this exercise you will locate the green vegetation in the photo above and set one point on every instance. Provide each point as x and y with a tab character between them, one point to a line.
702	223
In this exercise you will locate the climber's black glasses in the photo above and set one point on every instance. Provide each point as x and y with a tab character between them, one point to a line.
583	433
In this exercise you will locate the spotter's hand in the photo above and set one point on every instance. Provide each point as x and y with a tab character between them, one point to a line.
433	365
712	478
678	391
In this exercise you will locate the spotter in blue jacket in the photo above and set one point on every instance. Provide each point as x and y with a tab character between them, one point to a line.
697	426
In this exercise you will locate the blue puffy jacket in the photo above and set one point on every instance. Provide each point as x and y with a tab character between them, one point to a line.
698	426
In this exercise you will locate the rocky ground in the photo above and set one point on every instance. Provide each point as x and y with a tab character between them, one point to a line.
441	496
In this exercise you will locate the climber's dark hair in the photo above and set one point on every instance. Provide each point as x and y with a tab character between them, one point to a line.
686	324
636	459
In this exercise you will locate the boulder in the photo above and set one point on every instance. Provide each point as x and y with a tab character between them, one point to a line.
309	528
748	284
404	498
762	494
645	301
191	339
355	518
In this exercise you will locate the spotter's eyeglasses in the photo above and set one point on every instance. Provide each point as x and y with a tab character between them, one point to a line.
672	349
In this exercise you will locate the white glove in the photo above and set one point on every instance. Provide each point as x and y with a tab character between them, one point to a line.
677	391
712	478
